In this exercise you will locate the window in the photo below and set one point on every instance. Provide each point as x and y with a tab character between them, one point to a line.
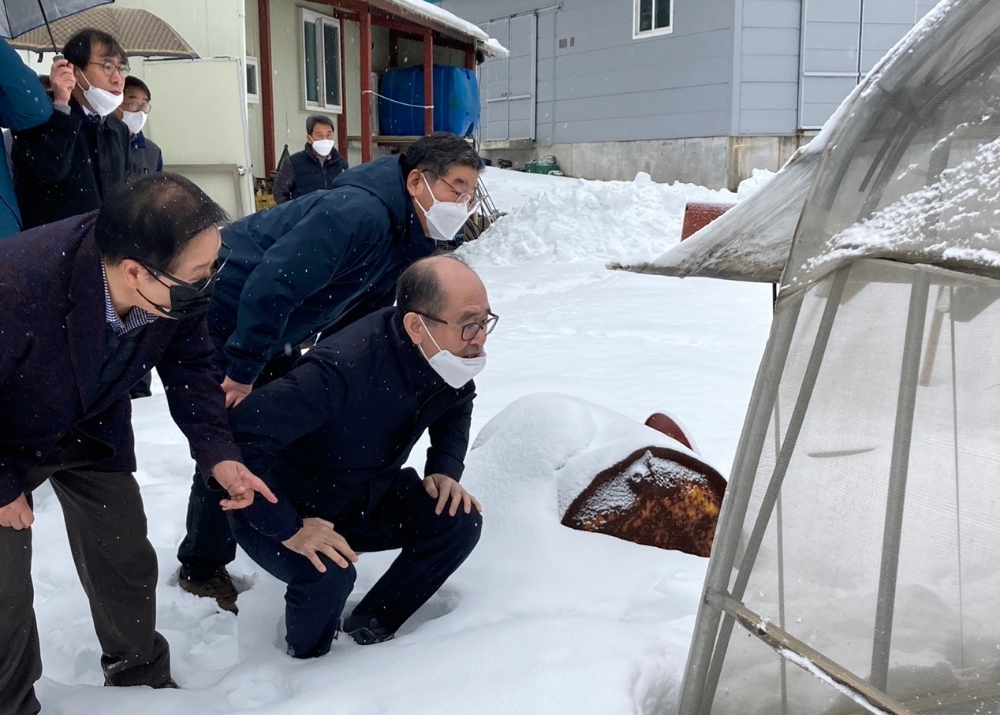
321	57
653	17
253	81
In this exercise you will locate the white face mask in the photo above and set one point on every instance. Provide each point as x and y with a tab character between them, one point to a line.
135	121
454	370
444	218
323	147
102	101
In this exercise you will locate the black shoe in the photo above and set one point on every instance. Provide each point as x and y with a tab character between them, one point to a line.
220	587
168	684
366	630
136	394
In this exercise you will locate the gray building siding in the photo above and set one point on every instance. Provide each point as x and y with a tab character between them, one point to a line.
595	83
766	75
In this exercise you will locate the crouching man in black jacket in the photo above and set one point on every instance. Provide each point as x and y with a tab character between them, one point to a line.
331	439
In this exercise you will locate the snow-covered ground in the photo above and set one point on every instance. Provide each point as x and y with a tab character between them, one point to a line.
540	619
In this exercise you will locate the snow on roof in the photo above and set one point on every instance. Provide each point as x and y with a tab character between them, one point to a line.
442	16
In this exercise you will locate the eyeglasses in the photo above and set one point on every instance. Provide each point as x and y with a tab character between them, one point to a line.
199	286
110	68
469	330
136	106
463	197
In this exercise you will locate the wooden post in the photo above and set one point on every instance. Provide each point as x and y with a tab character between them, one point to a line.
470	57
428	81
366	85
342	145
266	82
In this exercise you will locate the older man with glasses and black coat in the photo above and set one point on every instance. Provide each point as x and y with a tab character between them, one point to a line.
69	164
331	439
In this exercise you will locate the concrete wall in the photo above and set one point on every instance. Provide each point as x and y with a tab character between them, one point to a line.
596	86
715	162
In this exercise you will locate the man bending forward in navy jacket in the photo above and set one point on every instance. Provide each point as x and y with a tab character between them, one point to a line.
331	439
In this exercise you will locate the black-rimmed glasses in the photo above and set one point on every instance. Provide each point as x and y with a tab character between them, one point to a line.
470	330
199	285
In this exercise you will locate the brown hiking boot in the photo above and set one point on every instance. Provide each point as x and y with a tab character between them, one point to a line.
220	587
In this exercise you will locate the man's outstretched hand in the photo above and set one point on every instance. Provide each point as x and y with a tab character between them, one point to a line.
241	484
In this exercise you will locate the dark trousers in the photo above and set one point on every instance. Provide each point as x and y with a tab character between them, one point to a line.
116	564
433	547
208	543
144	386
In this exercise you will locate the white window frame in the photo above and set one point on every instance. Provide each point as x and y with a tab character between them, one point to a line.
656	31
321	21
254	67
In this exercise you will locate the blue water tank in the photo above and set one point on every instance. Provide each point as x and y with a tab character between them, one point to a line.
456	101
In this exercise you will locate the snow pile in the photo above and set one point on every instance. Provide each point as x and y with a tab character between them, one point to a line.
757	181
578	220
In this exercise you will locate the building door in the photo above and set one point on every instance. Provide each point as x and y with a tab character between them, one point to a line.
508	92
841	42
200	122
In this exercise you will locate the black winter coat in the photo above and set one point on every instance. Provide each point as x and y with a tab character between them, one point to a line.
52	349
303	172
67	165
331	436
313	263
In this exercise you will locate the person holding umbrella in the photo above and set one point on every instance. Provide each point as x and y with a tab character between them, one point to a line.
67	165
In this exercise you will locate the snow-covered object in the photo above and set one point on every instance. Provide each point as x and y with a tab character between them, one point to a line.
952	220
613	475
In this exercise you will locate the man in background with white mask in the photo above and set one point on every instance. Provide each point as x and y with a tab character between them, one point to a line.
312	265
331	440
68	165
144	156
315	167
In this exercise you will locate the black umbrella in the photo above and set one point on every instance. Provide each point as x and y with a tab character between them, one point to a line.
19	16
